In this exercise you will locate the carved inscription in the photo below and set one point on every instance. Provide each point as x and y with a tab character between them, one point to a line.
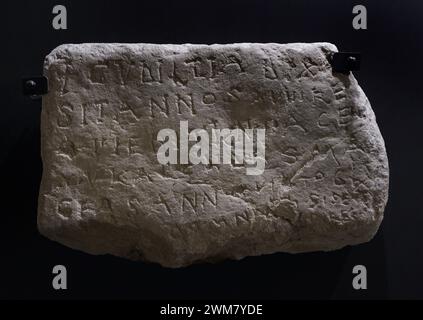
119	117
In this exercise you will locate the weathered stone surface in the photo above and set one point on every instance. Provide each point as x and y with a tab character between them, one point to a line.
325	181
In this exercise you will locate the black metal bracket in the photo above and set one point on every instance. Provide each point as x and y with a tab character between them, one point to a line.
344	62
34	87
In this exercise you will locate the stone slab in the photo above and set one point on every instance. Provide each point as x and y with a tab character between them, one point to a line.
325	180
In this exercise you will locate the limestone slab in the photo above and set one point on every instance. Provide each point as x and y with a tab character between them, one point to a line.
325	180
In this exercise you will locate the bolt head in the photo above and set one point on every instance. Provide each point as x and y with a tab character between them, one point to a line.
30	84
352	59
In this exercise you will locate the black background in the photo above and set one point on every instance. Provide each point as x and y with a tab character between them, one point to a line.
391	76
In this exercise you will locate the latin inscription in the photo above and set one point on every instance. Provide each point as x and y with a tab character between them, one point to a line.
134	96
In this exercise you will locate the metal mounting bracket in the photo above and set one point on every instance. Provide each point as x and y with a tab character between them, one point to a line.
34	87
344	62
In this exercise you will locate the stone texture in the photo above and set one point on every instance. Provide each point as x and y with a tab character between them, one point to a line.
325	182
